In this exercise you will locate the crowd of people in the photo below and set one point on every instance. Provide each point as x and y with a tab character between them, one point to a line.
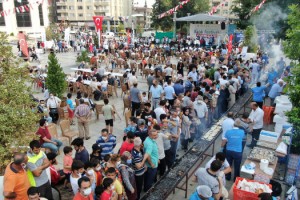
177	107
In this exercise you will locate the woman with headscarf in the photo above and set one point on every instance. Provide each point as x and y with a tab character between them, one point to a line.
185	127
128	176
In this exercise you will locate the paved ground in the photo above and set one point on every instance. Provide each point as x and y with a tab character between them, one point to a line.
67	61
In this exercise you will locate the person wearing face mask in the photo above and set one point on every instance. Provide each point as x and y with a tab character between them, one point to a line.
56	175
107	142
85	189
90	173
98	171
128	175
106	191
77	170
127	145
148	113
96	154
15	181
81	153
53	103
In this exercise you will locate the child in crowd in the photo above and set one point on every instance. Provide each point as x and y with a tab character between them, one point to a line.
131	127
77	170
111	173
67	163
144	97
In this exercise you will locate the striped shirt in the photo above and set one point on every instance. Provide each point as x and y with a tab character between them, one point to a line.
137	157
82	110
107	146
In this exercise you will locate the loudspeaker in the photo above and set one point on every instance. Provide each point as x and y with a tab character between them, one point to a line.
223	26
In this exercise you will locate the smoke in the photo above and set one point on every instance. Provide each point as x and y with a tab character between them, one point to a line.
269	23
269	17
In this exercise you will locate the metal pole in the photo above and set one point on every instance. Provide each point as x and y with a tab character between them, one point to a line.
99	37
174	25
132	26
108	25
188	23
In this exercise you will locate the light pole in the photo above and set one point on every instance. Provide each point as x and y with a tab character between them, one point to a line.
187	24
174	25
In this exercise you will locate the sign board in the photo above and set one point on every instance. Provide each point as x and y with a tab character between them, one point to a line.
205	30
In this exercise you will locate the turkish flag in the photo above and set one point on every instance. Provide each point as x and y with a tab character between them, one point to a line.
23	44
230	43
98	22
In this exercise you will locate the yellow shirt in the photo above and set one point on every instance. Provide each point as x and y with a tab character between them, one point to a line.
118	187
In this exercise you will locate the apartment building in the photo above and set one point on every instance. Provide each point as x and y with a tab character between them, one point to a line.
80	12
31	20
224	9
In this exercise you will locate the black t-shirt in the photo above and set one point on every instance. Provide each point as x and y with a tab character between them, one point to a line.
145	116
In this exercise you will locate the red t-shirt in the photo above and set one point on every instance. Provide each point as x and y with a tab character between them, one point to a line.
55	176
105	196
126	146
43	132
194	95
79	196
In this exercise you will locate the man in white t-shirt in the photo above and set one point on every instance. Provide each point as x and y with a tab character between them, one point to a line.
77	170
225	168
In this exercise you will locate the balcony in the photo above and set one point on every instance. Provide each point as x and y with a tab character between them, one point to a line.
102	3
62	11
61	3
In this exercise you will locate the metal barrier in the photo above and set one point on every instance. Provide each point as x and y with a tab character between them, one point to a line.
182	169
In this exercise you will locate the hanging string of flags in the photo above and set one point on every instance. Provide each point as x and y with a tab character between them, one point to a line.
172	10
256	8
20	9
215	8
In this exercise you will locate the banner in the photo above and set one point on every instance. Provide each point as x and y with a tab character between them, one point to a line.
23	44
98	22
172	10
67	34
128	36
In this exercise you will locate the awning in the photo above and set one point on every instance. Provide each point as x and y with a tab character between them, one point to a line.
201	17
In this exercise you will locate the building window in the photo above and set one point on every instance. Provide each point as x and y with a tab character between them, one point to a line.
23	19
80	7
71	8
226	4
79	0
89	7
41	15
80	15
2	19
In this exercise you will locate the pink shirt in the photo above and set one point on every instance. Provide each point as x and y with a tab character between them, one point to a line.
68	160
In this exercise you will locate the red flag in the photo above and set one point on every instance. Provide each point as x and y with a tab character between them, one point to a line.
128	36
98	22
23	44
230	43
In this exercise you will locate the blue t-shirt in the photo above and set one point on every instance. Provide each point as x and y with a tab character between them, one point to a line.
275	91
258	93
234	139
195	196
70	103
169	91
271	77
179	89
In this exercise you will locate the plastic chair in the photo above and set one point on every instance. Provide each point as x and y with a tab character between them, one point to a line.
127	103
66	130
53	132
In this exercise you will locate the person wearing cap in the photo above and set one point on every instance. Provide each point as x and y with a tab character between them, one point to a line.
202	192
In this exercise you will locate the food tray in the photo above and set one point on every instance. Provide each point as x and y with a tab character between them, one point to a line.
269	145
258	153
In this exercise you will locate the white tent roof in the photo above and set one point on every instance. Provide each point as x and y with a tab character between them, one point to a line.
201	17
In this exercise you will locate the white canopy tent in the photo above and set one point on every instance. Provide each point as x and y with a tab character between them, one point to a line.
201	17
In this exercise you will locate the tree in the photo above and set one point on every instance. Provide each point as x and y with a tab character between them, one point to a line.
120	27
84	56
52	32
56	78
166	23
251	39
139	30
291	49
242	8
16	116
